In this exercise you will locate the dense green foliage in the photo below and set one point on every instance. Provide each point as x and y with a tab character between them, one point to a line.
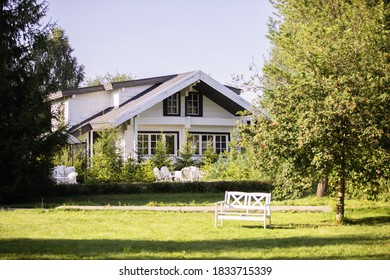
106	161
163	187
29	60
324	109
63	69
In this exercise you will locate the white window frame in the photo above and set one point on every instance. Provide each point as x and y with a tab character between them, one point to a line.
151	139
172	103
192	99
219	142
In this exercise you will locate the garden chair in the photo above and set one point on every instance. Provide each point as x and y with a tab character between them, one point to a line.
157	174
187	175
165	173
197	174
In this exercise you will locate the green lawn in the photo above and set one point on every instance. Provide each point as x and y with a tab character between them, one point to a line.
65	234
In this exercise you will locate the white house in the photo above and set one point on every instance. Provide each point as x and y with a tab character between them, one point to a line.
144	109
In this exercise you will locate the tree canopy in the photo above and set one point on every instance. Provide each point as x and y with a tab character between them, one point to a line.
57	59
324	109
108	78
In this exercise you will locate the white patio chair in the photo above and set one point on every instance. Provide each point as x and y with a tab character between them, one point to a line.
165	173
157	174
72	177
197	174
186	175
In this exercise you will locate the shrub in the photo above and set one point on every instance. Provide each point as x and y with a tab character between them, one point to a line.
132	171
166	187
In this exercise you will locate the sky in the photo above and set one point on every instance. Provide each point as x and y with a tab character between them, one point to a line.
149	38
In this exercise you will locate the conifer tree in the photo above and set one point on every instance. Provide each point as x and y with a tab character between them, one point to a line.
27	142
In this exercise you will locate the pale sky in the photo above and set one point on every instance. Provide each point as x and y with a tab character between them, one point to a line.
148	38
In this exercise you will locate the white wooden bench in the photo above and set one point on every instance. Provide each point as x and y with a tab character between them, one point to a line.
247	206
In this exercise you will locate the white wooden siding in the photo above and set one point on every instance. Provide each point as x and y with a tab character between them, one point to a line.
83	106
154	111
213	110
210	110
128	93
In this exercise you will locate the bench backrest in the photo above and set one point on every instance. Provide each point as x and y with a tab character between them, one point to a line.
247	200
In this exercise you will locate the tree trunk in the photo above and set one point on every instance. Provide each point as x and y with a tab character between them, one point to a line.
341	191
322	186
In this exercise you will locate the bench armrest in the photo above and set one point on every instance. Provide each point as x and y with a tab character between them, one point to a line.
219	205
220	202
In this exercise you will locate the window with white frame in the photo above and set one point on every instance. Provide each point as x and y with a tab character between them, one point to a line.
201	141
147	142
172	105
194	104
194	142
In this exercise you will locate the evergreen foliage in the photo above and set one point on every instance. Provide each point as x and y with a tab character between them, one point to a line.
106	161
27	142
161	155
186	154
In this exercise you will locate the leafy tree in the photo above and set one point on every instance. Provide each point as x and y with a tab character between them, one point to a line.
63	69
27	142
109	78
326	92
239	163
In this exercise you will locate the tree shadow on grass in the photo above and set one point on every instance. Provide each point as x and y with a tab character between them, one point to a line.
139	249
369	220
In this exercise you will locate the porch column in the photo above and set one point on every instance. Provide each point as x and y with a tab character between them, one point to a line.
135	142
90	147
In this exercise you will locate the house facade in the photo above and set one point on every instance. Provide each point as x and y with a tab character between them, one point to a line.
145	110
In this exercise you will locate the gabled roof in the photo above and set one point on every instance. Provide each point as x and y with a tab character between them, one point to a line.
111	86
162	88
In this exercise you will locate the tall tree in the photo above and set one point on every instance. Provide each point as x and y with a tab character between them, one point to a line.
326	91
57	59
27	142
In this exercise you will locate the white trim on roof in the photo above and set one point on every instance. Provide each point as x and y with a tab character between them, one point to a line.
225	90
159	94
166	89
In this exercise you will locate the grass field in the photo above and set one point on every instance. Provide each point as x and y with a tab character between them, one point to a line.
65	234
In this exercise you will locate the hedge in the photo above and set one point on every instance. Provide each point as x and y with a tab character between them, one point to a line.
162	187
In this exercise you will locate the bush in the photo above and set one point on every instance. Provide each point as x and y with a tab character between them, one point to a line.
163	187
132	171
233	166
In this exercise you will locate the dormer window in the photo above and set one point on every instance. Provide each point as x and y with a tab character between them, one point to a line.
172	105
194	104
